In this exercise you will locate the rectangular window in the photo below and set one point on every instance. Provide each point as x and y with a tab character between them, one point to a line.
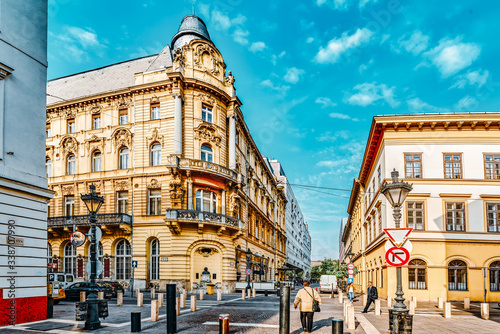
492	166
96	122
415	215
206	113
123	115
69	205
453	165
379	217
154	207
155	111
47	130
413	165
122	202
379	174
71	125
493	214
455	216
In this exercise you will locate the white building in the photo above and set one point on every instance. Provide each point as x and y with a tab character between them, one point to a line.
23	182
298	245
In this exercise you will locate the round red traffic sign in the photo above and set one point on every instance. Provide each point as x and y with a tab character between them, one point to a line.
397	257
350	266
249	271
350	271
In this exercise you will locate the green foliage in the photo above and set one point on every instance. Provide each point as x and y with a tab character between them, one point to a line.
329	267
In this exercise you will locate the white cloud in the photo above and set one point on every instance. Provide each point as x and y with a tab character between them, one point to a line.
257	46
77	44
223	22
338	46
363	3
369	93
364	67
465	103
451	55
275	58
337	4
293	75
331	137
85	37
309	40
473	78
341	116
269	84
416	43
417	105
325	102
240	36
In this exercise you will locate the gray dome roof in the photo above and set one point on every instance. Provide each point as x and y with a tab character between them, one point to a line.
192	27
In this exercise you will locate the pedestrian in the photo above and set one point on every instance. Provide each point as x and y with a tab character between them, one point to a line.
305	298
372	295
350	292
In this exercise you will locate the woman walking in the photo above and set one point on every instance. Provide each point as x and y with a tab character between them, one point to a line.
350	292
305	298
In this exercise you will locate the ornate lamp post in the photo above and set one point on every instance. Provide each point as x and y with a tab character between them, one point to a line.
396	193
93	203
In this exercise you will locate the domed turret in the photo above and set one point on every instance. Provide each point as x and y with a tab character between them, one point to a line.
192	27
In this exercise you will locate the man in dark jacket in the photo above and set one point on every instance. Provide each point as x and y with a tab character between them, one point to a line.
372	295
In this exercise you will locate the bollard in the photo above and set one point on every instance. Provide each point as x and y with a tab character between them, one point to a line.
466	303
193	303
50	307
100	295
153	294
389	302
249	293
365	299
414	299
243	294
223	323
183	300
140	299
219	295
155	312
266	293
377	307
412	308
137	291
178	306
202	294
440	303
171	312
254	293
119	299
161	299
337	326
285	310
485	311
135	322
82	296
340	297
447	310
351	324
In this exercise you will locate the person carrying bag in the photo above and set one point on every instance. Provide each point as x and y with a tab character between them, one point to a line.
309	301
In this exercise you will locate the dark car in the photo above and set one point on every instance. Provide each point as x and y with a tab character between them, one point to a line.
116	286
73	291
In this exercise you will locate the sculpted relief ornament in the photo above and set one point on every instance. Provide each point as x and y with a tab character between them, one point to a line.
69	145
122	137
176	194
206	59
207	132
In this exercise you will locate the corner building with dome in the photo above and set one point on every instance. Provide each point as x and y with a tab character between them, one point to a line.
187	194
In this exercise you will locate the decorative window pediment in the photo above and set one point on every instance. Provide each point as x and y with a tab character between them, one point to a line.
122	137
69	145
207	132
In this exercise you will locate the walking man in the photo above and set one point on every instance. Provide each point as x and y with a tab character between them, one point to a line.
305	298
372	295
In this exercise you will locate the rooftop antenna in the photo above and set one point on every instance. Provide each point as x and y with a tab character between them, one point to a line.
193	7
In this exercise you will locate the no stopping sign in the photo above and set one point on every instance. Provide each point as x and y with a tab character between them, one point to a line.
397	257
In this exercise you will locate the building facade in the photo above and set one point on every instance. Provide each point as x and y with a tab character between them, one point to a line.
453	162
187	193
298	244
23	185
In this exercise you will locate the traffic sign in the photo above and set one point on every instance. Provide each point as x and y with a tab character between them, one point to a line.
98	267
397	257
350	266
77	238
398	235
350	271
350	280
249	271
134	264
98	233
408	245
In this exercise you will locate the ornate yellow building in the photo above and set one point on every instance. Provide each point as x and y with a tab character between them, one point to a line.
164	140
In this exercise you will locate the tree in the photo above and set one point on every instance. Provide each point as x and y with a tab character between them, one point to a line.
329	267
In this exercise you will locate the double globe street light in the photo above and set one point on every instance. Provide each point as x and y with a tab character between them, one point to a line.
396	193
93	203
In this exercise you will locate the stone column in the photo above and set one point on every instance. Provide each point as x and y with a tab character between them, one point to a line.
223	207
190	195
178	124
232	142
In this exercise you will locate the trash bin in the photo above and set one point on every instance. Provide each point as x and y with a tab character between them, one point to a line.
210	289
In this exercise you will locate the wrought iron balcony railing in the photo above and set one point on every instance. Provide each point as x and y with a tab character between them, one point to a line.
83	220
203	217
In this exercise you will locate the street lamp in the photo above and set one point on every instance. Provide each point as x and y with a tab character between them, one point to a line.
249	253
396	193
93	203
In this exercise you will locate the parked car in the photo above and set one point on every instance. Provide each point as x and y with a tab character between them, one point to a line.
116	286
327	283
64	280
73	291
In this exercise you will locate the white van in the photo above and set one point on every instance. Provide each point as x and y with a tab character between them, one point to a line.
327	283
64	280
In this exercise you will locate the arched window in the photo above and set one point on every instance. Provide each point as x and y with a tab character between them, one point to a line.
206	201
457	275
70	266
123	257
154	260
96	161
155	155
207	153
495	276
48	167
417	275
123	158
71	164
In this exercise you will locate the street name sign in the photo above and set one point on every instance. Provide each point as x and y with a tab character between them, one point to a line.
398	235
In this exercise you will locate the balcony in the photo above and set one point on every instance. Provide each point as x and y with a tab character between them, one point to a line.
107	221
203	166
176	216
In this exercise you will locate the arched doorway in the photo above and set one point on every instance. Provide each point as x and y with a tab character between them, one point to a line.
209	257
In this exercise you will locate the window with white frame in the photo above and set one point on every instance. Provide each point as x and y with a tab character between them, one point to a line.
206	201
48	167
415	215
154	260
457	275
492	166
206	113
123	158
155	155
155	111
96	121
71	164
417	274
493	216
453	165
122	202
69	205
123	260
207	153
47	130
455	216
71	125
70	265
123	116
154	202
96	161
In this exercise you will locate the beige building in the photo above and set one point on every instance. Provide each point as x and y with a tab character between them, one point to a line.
164	140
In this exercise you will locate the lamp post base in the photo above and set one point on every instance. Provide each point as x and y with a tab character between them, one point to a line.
400	322
92	321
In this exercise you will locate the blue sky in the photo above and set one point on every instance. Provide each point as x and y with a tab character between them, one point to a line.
311	74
